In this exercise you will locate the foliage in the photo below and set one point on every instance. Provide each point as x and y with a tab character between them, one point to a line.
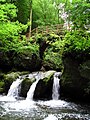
53	54
29	48
7	11
11	37
79	14
45	12
23	10
77	42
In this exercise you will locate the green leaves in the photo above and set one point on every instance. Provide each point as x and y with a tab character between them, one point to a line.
44	12
23	10
77	42
11	37
80	14
7	12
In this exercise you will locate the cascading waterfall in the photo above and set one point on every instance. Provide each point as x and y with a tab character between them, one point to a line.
56	86
14	88
30	93
43	110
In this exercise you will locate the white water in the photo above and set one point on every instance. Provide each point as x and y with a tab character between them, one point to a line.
51	117
14	88
30	93
37	76
56	86
41	110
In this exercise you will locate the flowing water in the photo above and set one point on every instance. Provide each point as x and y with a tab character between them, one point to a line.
28	109
15	88
30	93
56	86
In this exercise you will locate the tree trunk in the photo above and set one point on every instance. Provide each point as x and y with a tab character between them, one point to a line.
30	28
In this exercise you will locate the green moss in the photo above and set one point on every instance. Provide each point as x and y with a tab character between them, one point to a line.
25	85
85	69
1	86
49	76
11	76
77	43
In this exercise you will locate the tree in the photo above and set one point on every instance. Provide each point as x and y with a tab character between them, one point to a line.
23	10
44	12
10	30
80	14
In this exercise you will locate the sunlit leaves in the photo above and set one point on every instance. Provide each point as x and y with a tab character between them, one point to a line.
44	12
80	14
77	41
7	12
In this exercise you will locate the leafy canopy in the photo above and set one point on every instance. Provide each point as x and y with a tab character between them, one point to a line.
10	30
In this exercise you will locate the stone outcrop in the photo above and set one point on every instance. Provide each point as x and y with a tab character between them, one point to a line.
75	80
44	87
22	61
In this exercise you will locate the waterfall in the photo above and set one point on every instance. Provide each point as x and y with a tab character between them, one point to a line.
56	86
31	91
14	88
38	76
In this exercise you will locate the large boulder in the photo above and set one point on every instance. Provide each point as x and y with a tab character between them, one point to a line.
44	87
5	62
27	61
25	85
75	80
6	81
24	60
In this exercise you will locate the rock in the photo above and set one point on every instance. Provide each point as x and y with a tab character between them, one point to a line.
8	79
5	62
44	87
25	86
25	60
75	79
85	69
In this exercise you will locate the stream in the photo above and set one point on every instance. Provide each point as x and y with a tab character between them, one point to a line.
12	109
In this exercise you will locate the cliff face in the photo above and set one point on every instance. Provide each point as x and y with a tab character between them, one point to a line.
75	80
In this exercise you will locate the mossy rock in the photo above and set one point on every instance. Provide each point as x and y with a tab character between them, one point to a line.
25	86
27	61
85	69
44	87
72	83
48	76
5	62
2	87
9	78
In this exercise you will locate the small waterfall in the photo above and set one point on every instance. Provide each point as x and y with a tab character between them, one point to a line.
38	76
14	88
31	91
56	86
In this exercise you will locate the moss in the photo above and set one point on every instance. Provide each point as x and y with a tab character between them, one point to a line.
25	85
11	76
1	86
85	69
48	76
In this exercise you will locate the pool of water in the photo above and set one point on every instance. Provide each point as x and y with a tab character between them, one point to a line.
12	109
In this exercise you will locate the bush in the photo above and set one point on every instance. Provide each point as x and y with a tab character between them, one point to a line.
77	42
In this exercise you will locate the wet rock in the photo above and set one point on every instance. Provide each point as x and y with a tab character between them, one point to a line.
25	86
44	87
75	79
